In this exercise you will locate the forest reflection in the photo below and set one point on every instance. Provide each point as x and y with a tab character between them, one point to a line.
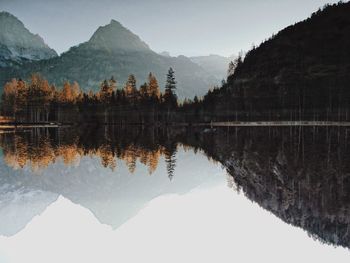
38	148
300	174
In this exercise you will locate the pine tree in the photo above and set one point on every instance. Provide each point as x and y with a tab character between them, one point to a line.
231	69
170	86
170	97
170	159
144	91
113	83
106	90
130	88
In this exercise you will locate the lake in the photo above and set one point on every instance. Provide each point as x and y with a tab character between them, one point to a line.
175	194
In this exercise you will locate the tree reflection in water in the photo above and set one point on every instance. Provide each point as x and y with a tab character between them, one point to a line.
300	174
38	148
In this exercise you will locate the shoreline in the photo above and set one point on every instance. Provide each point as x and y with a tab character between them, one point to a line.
11	126
277	123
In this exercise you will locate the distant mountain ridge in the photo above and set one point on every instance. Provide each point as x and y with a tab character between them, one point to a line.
215	64
18	44
113	50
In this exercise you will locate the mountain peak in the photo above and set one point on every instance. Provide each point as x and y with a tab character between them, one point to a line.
115	37
165	54
7	15
4	14
7	20
115	23
17	43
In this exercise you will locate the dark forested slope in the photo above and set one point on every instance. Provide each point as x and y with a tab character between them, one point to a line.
303	72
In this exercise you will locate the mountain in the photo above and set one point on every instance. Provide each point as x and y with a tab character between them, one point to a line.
300	73
114	50
215	64
115	38
18	44
165	54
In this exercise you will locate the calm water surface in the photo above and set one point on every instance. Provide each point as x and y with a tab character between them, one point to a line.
175	195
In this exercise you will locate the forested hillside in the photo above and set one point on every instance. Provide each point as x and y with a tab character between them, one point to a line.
303	72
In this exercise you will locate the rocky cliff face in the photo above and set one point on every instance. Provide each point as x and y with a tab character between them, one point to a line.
18	44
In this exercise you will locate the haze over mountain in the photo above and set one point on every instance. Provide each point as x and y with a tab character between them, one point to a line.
165	54
115	51
215	64
18	44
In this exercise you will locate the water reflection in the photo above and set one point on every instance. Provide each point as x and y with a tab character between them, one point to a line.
38	148
113	173
302	175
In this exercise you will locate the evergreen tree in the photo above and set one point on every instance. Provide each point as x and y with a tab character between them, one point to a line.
130	87
144	91
106	90
170	97
113	83
170	158
231	68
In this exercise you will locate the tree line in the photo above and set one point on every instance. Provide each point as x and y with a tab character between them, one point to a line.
38	101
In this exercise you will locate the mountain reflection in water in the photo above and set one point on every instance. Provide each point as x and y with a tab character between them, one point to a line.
300	174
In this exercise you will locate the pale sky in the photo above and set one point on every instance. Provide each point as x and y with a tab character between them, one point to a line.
214	225
188	27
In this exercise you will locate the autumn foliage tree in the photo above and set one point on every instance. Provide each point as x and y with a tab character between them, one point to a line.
33	99
9	105
38	101
153	87
40	95
70	93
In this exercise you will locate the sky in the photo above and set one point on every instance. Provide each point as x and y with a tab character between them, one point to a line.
215	225
181	27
